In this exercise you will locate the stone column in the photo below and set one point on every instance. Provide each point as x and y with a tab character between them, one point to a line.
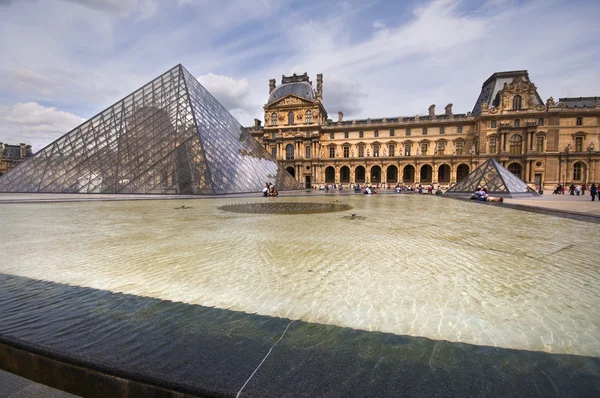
452	174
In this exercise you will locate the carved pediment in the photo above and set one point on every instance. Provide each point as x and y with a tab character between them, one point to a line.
291	100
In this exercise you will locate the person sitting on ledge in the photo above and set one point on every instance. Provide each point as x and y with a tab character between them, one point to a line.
265	191
273	191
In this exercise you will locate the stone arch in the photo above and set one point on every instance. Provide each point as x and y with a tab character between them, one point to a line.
330	175
291	170
376	174
345	174
408	173
516	169
359	174
462	171
392	174
426	173
516	144
443	174
289	152
579	171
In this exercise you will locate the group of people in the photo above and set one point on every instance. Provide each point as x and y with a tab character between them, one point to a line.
578	190
482	194
269	190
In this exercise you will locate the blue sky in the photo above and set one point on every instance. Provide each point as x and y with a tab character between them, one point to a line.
62	61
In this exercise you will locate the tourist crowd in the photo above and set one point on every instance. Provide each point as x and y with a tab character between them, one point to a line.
578	190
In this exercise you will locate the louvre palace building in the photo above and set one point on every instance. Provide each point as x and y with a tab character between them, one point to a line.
542	143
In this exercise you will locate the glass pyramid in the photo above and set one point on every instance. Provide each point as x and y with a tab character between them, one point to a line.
495	178
169	137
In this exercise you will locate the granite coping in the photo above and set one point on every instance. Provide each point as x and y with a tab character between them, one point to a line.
195	350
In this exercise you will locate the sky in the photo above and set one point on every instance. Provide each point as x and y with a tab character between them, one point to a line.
63	61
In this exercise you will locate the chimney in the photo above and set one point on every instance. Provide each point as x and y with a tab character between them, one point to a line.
271	85
432	110
449	109
320	87
257	123
340	116
22	153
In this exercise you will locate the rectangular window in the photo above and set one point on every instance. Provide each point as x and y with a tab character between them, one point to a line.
517	123
459	148
407	150
346	151
459	129
331	136
579	121
361	151
376	133
331	152
424	130
578	144
361	134
392	150
493	124
442	130
274	151
441	148
423	149
391	132
540	144
541	121
376	150
346	134
307	152
273	135
408	131
493	145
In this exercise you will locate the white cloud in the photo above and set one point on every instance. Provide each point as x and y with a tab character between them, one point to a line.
144	9
34	124
379	25
232	94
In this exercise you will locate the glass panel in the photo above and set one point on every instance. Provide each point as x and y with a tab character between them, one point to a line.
170	137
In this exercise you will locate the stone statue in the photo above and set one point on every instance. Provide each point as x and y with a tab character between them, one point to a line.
550	102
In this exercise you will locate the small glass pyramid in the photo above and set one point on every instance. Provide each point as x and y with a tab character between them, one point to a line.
169	137
495	178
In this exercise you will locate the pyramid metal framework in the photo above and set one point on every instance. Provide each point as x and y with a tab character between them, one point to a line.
169	137
495	178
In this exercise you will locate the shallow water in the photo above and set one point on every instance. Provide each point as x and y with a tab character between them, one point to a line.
417	265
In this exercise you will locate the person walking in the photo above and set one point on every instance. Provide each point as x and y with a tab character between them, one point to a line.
593	191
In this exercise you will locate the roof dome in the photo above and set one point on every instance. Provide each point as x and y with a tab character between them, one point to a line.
300	89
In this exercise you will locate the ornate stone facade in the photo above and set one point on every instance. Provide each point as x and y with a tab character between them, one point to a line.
12	155
544	144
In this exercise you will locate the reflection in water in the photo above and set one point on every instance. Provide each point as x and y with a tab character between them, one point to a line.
415	265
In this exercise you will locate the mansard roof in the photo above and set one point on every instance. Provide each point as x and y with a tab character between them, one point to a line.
495	83
298	85
578	102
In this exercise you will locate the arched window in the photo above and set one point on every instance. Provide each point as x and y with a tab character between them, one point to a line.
517	102
274	118
308	116
577	171
291	118
516	144
289	152
515	168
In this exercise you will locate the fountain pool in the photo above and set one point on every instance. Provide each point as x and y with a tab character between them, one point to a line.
413	265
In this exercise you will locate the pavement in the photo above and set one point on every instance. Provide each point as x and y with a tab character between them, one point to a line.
566	204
